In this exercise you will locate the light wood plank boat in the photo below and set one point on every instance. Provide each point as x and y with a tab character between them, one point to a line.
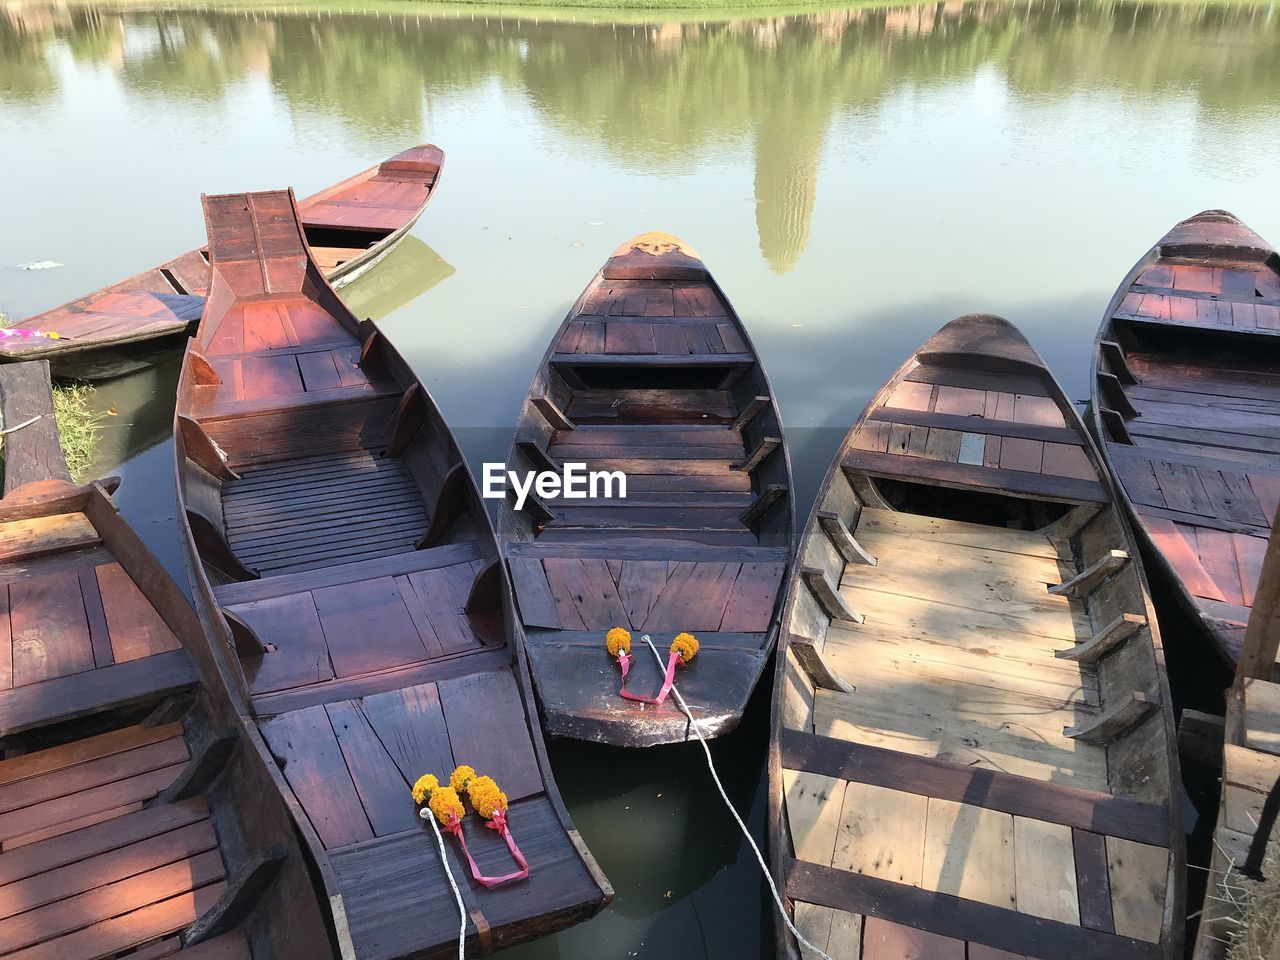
135	817
1186	403
347	573
651	374
350	226
973	751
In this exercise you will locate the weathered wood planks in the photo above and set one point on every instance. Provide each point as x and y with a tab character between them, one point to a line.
941	806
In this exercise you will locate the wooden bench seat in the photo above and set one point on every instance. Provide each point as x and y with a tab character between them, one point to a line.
313	625
970	476
88	870
77	636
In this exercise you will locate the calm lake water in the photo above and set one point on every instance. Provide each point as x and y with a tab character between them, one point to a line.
854	177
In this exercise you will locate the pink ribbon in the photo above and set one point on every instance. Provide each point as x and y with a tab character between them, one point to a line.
499	823
669	678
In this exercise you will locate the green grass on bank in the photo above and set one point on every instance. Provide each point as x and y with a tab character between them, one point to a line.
79	426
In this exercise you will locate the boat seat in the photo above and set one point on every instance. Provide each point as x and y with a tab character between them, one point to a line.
299	432
975	477
88	870
280	379
426	606
730	593
82	638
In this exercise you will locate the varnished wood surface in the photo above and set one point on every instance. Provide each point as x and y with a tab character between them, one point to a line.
368	213
935	802
344	564
651	374
1197	456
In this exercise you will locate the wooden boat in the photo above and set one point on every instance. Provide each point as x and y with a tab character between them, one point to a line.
1186	403
148	829
652	374
351	226
973	751
347	574
1250	780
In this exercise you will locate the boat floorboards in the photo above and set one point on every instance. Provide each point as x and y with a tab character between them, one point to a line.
274	526
89	872
955	663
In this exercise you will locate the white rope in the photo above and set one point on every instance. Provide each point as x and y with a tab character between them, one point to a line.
427	815
24	423
773	889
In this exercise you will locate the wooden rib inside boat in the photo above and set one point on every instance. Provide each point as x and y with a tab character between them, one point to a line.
1186	401
149	830
973	752
350	226
343	561
651	375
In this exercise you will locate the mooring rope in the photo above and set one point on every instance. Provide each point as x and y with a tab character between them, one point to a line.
773	889
457	894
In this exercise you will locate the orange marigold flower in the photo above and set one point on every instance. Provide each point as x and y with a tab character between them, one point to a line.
444	803
461	777
486	797
617	640
686	646
424	787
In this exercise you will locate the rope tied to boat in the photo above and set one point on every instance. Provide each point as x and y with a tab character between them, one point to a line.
773	887
442	807
683	649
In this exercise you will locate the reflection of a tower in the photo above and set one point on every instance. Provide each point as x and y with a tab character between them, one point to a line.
789	131
786	183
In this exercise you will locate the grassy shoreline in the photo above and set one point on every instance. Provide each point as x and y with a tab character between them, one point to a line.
593	11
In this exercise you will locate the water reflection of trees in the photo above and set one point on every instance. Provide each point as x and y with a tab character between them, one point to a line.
664	95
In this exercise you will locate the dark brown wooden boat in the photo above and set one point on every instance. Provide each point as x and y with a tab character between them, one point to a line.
136	819
973	751
1186	402
346	571
350	226
651	374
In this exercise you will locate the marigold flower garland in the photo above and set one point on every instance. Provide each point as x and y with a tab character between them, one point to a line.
683	649
487	799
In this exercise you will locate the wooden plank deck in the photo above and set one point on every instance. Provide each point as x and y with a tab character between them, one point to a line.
1197	460
88	870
